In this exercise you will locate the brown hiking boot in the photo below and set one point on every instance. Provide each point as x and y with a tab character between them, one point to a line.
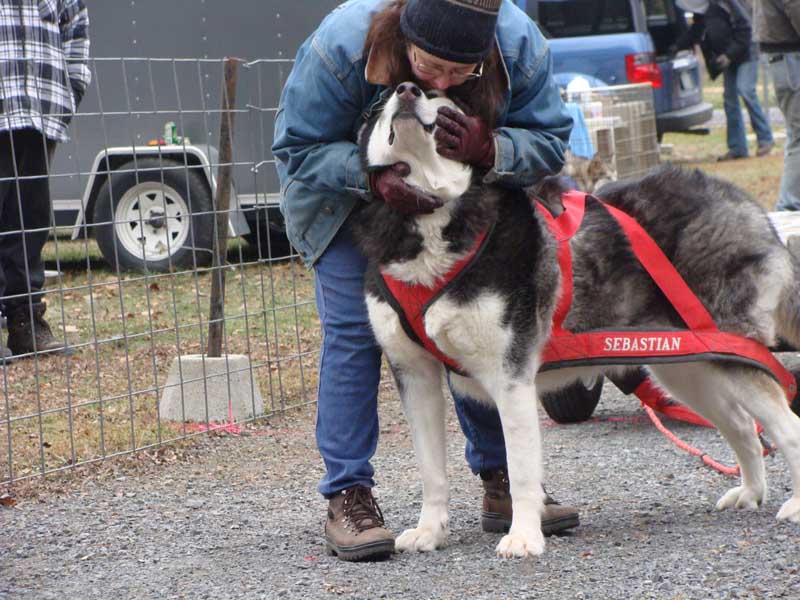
28	337
496	515
765	148
354	529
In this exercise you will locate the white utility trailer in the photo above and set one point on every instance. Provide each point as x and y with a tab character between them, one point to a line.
138	173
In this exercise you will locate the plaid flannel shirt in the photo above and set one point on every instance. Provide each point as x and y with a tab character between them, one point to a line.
44	70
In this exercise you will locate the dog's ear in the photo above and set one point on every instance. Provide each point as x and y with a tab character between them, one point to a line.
548	192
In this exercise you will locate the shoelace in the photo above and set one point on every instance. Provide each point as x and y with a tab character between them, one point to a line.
362	509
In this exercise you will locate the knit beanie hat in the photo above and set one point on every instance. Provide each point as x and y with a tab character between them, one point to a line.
460	31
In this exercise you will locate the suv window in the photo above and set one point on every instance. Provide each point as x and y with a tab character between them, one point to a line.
660	12
573	18
665	23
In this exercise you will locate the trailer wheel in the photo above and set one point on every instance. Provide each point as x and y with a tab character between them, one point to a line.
573	404
267	235
154	215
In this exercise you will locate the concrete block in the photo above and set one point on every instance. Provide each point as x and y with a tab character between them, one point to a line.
196	380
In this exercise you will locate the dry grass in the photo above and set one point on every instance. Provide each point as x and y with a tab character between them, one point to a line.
759	176
60	411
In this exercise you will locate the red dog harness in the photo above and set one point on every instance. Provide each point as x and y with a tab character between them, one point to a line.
701	341
411	302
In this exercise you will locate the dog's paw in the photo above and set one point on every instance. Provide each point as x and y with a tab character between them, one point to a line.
741	497
518	545
790	510
421	539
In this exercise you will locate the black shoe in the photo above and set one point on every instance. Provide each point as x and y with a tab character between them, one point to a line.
31	336
6	355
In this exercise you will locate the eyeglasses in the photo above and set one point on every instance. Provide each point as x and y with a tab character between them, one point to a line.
455	74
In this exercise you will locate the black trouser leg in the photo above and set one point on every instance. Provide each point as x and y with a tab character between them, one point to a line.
24	216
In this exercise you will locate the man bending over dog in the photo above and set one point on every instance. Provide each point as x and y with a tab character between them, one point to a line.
491	57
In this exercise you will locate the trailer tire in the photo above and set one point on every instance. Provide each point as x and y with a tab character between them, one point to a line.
268	236
574	403
154	215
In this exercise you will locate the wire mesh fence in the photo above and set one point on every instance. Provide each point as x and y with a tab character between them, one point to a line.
129	280
129	274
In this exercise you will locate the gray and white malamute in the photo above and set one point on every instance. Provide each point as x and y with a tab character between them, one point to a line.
494	319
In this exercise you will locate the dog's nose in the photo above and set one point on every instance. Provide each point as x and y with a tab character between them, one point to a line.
408	91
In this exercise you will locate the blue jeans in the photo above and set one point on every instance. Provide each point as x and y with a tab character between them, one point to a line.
349	373
785	71
741	80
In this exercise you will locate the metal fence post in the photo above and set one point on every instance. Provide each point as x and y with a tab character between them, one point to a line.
221	206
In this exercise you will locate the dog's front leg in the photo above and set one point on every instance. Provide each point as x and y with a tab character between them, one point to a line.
424	405
516	403
419	378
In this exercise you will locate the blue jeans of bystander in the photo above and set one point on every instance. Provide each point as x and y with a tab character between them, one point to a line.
349	374
740	81
785	71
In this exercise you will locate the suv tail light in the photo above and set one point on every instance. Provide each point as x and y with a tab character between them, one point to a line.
642	68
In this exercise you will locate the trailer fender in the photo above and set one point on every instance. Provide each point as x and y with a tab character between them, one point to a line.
108	160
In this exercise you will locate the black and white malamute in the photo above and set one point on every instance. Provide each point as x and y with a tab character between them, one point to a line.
495	318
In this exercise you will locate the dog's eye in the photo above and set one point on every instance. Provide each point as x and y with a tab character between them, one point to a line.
432	94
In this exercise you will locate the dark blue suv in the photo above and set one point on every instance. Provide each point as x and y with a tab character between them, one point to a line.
612	42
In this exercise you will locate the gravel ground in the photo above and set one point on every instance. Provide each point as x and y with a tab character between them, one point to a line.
240	518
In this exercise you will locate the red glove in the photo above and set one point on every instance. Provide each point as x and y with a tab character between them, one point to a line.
465	139
389	186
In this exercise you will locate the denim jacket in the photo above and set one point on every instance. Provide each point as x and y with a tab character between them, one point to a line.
326	97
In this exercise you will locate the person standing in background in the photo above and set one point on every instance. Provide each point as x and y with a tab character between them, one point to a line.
44	72
777	31
723	30
742	81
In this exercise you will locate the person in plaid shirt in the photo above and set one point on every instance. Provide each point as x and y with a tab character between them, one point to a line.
44	72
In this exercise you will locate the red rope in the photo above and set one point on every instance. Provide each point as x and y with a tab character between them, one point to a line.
726	470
